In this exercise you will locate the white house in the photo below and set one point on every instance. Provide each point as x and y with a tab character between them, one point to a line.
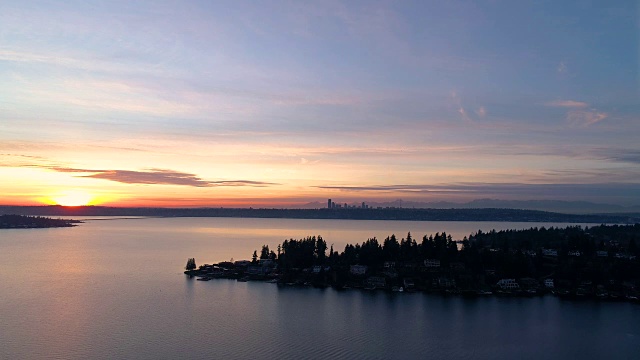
508	284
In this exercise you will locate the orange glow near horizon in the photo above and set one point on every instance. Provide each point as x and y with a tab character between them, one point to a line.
72	198
205	202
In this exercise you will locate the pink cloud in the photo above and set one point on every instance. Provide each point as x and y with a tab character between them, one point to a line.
567	104
585	117
577	114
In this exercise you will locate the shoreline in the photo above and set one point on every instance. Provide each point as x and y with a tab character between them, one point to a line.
600	262
562	294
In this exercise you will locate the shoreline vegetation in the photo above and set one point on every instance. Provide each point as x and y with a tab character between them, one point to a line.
388	213
34	222
600	262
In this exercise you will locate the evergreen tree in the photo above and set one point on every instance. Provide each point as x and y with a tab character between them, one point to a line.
264	253
320	250
191	264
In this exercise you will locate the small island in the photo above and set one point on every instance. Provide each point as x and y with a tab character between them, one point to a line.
600	262
34	222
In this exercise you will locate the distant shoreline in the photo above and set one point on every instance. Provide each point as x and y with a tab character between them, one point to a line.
403	214
110	218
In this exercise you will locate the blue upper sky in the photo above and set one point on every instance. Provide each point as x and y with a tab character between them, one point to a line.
282	102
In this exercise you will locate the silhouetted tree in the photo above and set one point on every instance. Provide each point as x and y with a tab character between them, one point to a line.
264	253
320	250
191	264
391	248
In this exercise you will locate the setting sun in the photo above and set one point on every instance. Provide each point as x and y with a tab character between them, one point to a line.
73	198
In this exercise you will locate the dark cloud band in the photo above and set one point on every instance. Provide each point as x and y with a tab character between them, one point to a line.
158	177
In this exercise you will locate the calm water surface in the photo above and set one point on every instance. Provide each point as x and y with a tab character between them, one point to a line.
114	289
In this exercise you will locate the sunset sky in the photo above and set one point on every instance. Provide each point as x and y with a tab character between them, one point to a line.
280	103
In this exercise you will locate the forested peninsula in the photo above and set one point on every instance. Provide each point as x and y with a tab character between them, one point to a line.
599	262
32	222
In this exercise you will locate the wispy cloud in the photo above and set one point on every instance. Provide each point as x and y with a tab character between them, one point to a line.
567	104
76	62
562	67
579	113
152	176
157	177
621	155
469	116
459	108
394	188
585	117
20	160
507	190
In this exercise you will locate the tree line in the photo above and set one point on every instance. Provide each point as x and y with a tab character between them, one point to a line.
507	253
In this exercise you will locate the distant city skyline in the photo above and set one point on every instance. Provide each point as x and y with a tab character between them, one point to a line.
283	103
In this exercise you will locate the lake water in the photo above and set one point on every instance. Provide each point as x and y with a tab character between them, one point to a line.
115	289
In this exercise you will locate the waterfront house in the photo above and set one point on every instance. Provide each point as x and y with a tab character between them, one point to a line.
254	270
242	263
390	273
225	264
548	283
317	269
432	263
378	282
266	262
358	270
444	282
408	283
508	284
410	265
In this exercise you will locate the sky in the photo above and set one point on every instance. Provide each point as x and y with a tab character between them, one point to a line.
281	103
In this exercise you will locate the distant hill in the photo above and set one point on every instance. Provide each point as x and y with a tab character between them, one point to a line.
567	207
475	214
